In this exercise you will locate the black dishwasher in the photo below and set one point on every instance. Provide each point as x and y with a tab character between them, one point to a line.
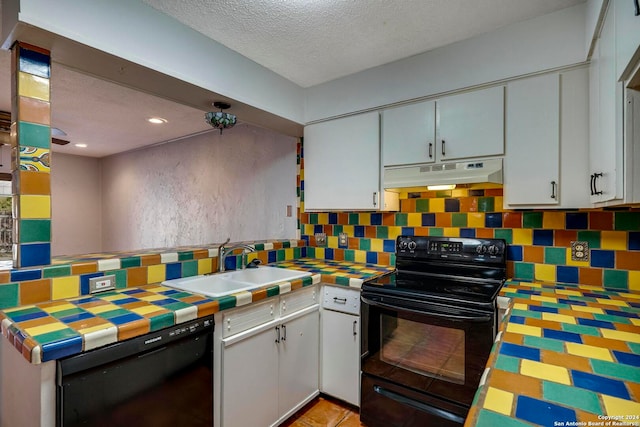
163	378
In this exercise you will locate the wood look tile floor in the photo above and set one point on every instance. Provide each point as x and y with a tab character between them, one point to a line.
324	411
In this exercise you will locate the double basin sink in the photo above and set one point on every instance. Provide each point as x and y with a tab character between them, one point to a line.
230	282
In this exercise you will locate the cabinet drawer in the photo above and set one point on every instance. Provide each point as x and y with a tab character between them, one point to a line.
297	300
341	299
240	320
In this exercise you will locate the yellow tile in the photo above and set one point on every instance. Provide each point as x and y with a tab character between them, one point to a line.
498	204
394	232
308	229
620	335
451	232
319	253
414	219
251	256
156	273
102	308
364	218
634	280
377	245
152	298
629	296
459	192
499	401
523	236
95	328
585	309
35	206
204	266
516	328
544	371
361	256
332	241
534	285
635	321
575	263
436	205
520	306
475	220
57	308
622	407
562	318
323	218
553	220
33	86
147	309
288	253
545	272
543	299
568	292
349	229
589	351
607	301
111	297
43	329
616	240
65	287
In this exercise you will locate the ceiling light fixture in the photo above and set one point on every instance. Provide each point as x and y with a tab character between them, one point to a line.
441	187
157	120
221	120
81	145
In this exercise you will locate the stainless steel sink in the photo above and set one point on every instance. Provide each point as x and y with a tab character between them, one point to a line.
230	282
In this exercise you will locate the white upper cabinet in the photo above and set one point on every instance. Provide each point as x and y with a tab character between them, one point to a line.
342	165
471	124
627	35
409	134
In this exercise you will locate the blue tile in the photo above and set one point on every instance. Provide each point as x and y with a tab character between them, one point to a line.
74	318
542	412
35	63
595	323
372	257
528	292
62	348
634	240
34	254
567	274
132	291
124	301
561	335
173	270
23	275
600	384
509	349
333	218
389	245
572	302
627	358
517	319
543	237
272	256
493	220
428	220
125	318
514	253
84	281
165	301
602	258
576	221
329	253
451	205
376	218
358	231
408	231
543	309
595	295
621	313
27	316
468	232
318	228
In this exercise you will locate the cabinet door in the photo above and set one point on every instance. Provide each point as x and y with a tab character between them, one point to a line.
250	380
409	134
471	124
341	356
298	364
627	34
340	152
532	161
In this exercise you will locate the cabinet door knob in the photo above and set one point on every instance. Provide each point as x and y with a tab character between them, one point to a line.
553	189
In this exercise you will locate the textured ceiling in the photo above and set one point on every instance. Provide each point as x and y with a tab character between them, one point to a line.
314	41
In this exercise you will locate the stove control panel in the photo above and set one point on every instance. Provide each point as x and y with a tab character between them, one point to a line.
454	248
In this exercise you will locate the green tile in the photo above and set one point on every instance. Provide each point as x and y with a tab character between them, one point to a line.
56	271
337	229
486	204
287	244
311	252
227	301
273	291
504	233
627	221
113	313
9	293
175	306
341	280
443	193
616	279
581	329
382	232
532	220
65	313
591	237
459	219
59	335
34	135
544	343
297	253
616	370
190	268
259	246
611	318
508	363
121	278
349	255
280	255
365	244
185	255
401	219
354	219
523	271
35	230
526	313
128	262
493	419
557	256
572	397
635	347
436	231
313	218
422	205
161	321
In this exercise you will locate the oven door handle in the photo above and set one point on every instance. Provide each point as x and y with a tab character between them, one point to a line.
426	311
440	413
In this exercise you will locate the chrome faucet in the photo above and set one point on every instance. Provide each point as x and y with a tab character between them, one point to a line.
223	251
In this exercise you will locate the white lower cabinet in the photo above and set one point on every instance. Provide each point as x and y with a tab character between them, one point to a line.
340	360
267	372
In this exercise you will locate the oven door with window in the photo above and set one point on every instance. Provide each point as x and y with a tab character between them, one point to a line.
421	361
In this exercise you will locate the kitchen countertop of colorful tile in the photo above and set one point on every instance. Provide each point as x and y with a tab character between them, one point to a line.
565	356
56	329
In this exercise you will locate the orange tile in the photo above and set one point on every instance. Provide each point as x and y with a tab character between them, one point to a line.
384	258
150	259
565	360
258	295
37	322
200	254
136	276
510	269
133	329
513	338
590	276
600	220
443	219
564	237
468	204
34	110
343	218
516	383
634	388
88	323
35	182
421	231
512	220
338	254
408	205
548	324
84	267
493	192
5	276
370	232
553	220
534	254
34	291
388	219
484	233
628	260
605	342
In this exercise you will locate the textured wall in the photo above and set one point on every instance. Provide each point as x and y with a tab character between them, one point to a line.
75	205
201	190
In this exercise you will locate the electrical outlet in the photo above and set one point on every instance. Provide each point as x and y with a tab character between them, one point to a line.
102	283
579	251
343	240
321	239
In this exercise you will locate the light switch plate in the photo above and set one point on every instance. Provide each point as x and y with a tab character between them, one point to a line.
102	284
321	239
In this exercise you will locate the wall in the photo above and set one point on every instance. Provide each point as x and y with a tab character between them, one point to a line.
539	241
76	205
201	190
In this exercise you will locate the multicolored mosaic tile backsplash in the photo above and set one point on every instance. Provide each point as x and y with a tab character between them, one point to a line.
539	242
